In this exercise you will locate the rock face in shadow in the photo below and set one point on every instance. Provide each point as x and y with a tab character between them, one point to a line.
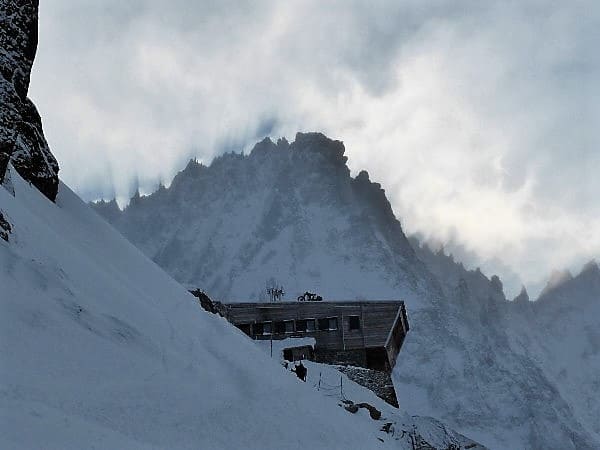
22	140
5	227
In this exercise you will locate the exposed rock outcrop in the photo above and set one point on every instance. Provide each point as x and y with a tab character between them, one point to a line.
376	381
523	297
557	278
298	199
22	140
5	227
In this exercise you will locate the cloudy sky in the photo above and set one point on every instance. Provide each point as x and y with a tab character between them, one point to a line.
480	119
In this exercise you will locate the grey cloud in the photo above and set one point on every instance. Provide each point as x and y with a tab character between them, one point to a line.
481	119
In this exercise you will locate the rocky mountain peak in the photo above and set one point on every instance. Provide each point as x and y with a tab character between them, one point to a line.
572	289
590	269
263	147
110	210
556	279
331	150
523	296
301	210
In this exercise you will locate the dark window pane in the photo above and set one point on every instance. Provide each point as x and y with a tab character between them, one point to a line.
333	323
279	327
258	328
267	328
289	326
301	325
323	324
245	327
310	325
354	323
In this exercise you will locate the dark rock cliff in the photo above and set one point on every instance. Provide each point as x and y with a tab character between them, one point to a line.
22	140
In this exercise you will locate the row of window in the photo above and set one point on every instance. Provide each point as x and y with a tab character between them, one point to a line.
300	325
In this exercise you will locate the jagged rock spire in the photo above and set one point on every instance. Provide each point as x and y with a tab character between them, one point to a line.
523	296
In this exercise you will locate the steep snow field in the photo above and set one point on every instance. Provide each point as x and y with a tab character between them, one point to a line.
99	348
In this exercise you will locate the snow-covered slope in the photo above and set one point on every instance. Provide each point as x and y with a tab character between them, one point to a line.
292	212
99	348
395	426
496	378
561	331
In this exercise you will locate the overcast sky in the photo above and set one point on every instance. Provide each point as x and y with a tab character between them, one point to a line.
480	119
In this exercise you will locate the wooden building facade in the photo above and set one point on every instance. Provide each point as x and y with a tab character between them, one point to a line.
367	334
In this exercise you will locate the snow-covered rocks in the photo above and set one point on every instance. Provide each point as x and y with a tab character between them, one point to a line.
21	136
5	227
291	212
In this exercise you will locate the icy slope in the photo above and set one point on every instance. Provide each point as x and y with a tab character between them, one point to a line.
101	349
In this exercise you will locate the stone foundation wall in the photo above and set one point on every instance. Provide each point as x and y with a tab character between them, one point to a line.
378	382
341	357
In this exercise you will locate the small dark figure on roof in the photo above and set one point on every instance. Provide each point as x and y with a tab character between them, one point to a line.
300	371
309	297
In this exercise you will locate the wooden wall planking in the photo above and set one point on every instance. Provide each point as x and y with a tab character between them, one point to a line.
377	320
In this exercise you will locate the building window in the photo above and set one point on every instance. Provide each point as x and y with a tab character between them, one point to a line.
323	324
333	325
305	325
262	328
301	325
328	323
354	323
279	327
289	326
